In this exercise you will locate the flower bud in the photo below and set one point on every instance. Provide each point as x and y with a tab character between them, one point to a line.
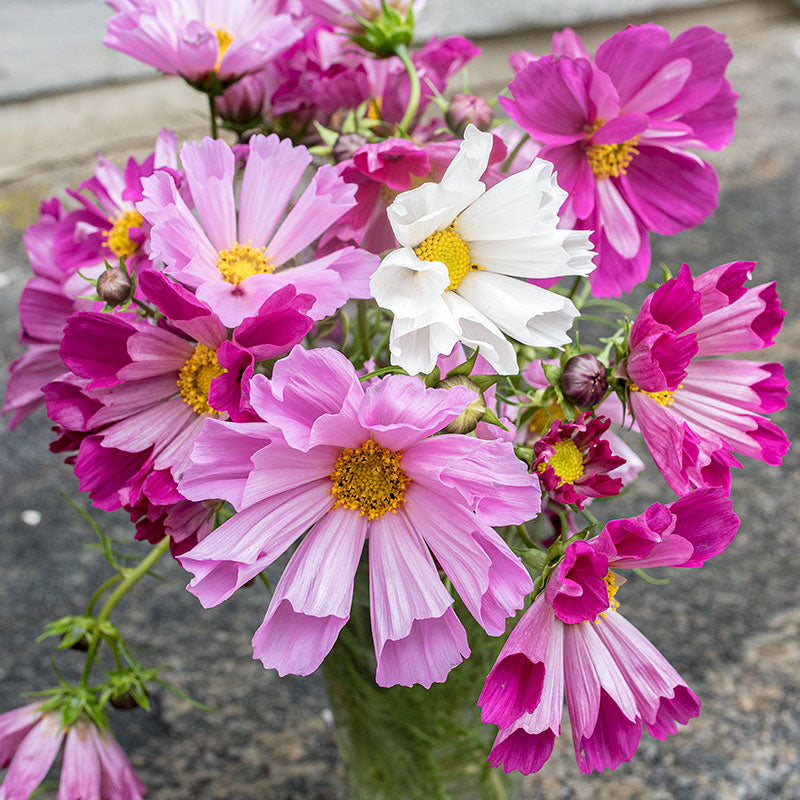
346	146
584	379
469	418
466	108
114	286
124	702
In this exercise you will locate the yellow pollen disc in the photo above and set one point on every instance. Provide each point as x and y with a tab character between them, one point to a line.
607	160
374	108
665	398
543	418
241	261
224	38
194	379
117	239
567	462
612	590
368	479
449	248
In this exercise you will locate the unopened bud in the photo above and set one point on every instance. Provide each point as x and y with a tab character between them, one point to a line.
584	379
124	702
468	419
114	286
466	108
346	146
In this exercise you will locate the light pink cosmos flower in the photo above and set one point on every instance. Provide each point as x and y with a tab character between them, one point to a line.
618	128
235	259
94	765
349	464
573	640
694	409
197	39
342	13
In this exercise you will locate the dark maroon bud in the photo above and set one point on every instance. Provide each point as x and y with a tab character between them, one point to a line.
346	146
466	108
124	702
584	379
114	286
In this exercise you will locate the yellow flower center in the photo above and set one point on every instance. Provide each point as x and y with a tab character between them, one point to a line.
612	590
368	479
665	398
607	160
194	379
117	239
449	248
241	261
543	418
224	38
567	462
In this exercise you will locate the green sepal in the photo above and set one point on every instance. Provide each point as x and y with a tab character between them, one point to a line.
534	558
433	378
386	33
490	417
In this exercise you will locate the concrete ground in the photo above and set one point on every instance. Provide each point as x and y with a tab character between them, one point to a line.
732	629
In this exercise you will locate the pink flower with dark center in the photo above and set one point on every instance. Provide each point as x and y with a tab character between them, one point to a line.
694	409
573	640
618	128
237	255
348	463
573	460
200	39
94	765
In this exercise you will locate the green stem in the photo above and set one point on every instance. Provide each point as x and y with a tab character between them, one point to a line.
103	587
213	113
415	90
523	535
514	153
363	329
574	288
383	371
131	577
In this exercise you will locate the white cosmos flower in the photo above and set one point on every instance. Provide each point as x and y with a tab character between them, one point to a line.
466	252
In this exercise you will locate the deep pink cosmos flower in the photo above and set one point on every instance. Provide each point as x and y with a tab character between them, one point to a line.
139	393
94	765
197	39
349	464
573	640
237	256
694	410
618	128
574	460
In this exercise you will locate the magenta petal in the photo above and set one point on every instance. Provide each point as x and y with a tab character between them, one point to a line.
619	129
577	591
14	726
95	346
705	518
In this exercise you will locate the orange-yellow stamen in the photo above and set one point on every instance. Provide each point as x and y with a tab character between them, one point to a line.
195	376
610	160
368	479
665	398
567	462
118	239
241	261
613	604
224	38
449	248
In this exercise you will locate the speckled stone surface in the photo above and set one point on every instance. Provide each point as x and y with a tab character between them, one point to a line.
732	629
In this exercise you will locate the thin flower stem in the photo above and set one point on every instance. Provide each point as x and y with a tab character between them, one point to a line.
363	329
213	114
526	539
514	153
101	590
573	291
415	93
131	577
383	371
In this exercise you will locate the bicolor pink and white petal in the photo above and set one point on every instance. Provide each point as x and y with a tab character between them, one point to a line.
345	464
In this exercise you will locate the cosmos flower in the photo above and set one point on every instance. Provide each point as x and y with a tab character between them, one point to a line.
464	249
349	464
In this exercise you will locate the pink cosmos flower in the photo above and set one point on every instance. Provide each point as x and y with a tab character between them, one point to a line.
694	409
618	127
342	13
574	461
573	640
94	765
140	392
197	39
349	464
233	258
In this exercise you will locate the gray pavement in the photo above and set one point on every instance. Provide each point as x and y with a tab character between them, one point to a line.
732	629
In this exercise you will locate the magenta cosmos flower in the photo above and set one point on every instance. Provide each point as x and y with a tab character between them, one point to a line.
349	464
693	409
234	259
139	394
200	38
573	640
618	127
94	766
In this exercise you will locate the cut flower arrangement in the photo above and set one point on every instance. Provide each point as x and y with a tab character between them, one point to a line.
352	337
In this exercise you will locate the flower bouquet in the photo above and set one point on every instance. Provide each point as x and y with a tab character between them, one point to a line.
367	334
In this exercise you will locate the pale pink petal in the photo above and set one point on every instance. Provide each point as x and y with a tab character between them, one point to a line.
33	758
80	770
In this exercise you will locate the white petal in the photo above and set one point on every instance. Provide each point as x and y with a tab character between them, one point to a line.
473	155
478	331
528	313
406	285
416	343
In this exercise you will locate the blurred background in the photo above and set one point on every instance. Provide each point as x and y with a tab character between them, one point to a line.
732	630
